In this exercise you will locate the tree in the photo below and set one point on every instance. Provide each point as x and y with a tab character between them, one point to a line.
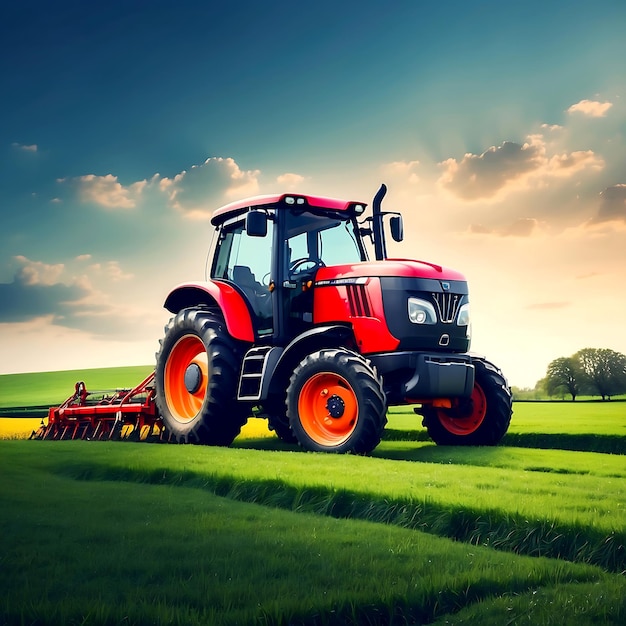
563	376
604	370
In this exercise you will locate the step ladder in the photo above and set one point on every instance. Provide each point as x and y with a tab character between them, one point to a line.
255	364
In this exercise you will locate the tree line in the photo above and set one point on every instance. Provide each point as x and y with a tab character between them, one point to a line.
591	371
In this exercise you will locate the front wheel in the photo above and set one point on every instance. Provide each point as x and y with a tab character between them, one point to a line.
481	420
196	380
336	403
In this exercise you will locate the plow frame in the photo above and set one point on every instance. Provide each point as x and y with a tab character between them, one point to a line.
120	414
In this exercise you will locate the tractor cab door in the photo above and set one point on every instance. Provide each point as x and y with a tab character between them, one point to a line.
301	264
311	241
245	261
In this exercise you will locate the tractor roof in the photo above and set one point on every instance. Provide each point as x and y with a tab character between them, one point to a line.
286	200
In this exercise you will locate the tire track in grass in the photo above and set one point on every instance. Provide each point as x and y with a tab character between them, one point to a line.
482	527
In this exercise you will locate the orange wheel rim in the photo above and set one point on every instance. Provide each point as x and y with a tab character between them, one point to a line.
183	402
469	423
328	409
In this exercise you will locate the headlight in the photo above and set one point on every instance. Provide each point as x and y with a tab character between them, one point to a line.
421	312
463	317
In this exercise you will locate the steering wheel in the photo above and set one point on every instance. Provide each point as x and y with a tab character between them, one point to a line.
297	266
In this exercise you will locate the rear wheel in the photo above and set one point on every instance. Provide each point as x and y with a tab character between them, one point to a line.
196	380
481	420
336	403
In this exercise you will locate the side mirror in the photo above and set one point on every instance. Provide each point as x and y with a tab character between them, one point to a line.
256	224
397	227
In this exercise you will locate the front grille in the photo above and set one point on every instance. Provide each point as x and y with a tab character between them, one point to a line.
447	305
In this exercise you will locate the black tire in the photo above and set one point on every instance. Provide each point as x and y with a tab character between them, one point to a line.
481	420
336	403
196	380
277	420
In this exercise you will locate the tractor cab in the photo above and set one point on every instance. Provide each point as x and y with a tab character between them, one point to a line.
272	252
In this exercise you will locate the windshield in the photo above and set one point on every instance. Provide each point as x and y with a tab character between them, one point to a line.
321	238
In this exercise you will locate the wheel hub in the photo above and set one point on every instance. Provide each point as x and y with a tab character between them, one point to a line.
193	378
335	406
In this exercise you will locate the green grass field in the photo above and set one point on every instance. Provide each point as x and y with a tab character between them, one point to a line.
50	388
262	533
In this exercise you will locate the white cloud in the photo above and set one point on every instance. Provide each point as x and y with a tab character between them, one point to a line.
483	176
70	299
38	273
612	204
25	148
38	345
551	127
290	181
197	191
111	269
107	191
591	108
403	170
500	170
568	164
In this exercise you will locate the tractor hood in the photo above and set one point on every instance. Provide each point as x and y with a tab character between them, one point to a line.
398	268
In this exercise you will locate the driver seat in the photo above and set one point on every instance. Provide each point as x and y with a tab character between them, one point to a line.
257	295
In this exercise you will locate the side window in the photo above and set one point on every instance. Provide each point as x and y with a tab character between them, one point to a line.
246	261
220	265
236	250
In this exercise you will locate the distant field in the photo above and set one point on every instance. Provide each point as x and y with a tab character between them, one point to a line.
49	388
574	418
547	419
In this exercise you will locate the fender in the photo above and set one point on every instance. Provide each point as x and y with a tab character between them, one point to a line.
328	336
215	293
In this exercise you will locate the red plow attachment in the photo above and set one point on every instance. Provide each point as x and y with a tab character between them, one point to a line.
120	414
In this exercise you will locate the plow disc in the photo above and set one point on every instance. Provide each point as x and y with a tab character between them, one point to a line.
120	414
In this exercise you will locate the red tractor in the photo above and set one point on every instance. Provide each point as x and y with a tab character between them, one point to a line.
296	323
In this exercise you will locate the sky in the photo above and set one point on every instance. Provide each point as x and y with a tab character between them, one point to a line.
498	127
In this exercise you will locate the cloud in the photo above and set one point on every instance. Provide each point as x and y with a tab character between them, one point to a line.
196	191
404	170
551	127
289	180
523	227
482	176
36	292
38	273
107	191
591	108
612	204
25	148
45	291
111	269
509	167
568	164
